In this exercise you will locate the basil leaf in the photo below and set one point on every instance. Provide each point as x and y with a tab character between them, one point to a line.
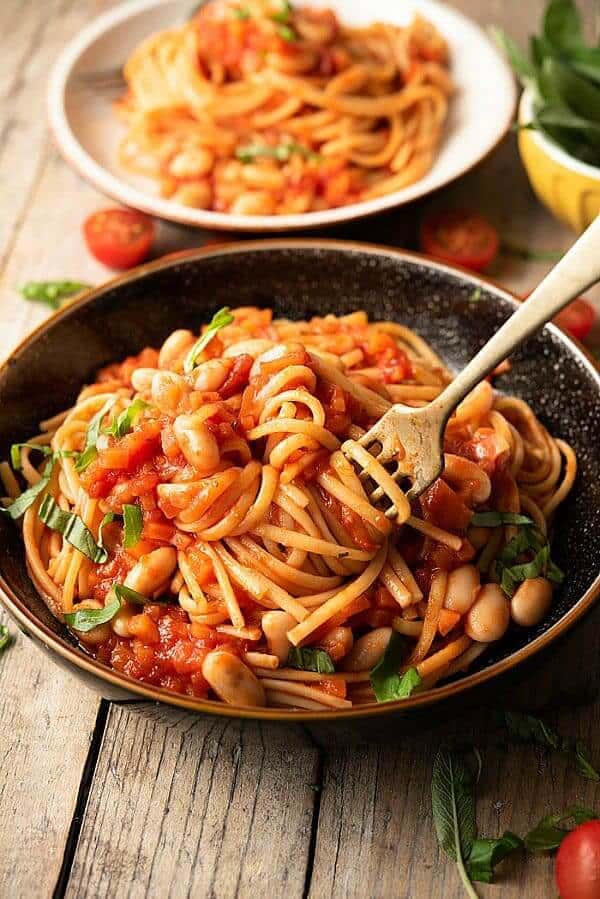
108	518
52	293
386	682
281	153
91	438
530	729
5	638
84	458
26	499
287	33
72	528
15	452
284	12
522	67
133	525
562	25
540	566
494	519
219	320
241	13
486	854
551	830
307	659
453	807
125	421
86	620
126	594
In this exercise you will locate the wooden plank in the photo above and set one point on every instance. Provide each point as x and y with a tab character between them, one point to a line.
185	807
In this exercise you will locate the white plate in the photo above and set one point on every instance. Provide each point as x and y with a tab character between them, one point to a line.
88	132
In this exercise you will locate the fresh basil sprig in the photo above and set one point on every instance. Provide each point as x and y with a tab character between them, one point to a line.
72	528
5	638
386	682
219	320
51	293
551	830
85	620
530	729
306	659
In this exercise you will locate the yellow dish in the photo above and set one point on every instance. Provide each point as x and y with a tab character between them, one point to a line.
569	188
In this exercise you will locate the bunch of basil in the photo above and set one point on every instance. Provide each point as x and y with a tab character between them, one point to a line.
563	73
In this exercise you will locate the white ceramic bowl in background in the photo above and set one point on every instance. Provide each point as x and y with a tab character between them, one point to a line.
88	132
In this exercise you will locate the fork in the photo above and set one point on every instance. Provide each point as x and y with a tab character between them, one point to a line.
413	437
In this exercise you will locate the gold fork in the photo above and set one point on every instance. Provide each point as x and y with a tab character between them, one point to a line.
413	437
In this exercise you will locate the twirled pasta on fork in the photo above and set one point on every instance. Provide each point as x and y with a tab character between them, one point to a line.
194	522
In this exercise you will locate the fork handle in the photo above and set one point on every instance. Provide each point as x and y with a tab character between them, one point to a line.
575	272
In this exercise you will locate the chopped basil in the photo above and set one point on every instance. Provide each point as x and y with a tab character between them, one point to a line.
108	518
241	13
5	638
85	458
15	452
550	831
281	152
124	422
530	254
284	13
52	293
528	539
133	525
91	438
72	528
86	620
386	682
287	33
540	566
26	499
307	659
219	320
126	594
494	519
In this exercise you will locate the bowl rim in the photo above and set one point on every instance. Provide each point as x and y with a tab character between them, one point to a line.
130	195
549	146
51	641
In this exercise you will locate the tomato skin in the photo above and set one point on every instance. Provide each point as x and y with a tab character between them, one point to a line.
460	237
119	238
577	318
577	867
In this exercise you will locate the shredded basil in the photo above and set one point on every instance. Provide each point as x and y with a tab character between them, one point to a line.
85	620
72	528
108	518
5	638
284	13
495	519
124	422
51	293
528	540
241	13
219	320
126	594
307	659
91	438
386	682
287	34
133	525
15	452
281	152
28	497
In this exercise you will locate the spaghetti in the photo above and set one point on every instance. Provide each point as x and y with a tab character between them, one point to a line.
256	107
195	523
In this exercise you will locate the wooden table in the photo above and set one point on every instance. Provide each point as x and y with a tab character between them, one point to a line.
101	800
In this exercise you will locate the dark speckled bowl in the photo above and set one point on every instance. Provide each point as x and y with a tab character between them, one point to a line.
299	279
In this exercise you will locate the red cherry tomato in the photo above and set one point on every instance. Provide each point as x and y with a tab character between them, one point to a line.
460	238
577	867
120	238
577	318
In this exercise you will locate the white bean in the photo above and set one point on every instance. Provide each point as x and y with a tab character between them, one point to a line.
275	627
531	601
197	194
367	650
232	681
192	163
141	379
210	375
463	584
168	390
197	443
488	617
253	202
175	347
152	571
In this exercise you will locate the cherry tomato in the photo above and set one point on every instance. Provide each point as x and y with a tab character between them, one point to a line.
120	238
577	318
577	868
460	237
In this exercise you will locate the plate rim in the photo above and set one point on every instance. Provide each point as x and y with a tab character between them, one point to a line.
25	617
119	190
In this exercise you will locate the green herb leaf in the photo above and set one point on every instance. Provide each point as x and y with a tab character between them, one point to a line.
108	518
522	67
530	729
475	295
453	806
284	12
495	519
85	458
386	682
133	525
287	33
126	594
281	152
219	320
124	422
15	452
91	438
241	13
562	25
51	293
86	620
529	254
486	854
307	659
72	528
5	638
551	830
26	499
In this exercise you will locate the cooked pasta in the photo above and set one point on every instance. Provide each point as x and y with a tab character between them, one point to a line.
198	522
255	107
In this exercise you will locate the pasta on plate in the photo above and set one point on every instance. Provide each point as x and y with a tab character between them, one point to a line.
255	107
197	522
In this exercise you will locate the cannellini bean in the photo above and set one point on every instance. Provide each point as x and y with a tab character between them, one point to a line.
232	681
192	163
488	617
337	642
120	623
531	601
178	496
98	634
275	627
198	195
141	379
175	347
168	390
196	443
152	571
253	347
262	176
210	375
367	650
253	202
462	587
